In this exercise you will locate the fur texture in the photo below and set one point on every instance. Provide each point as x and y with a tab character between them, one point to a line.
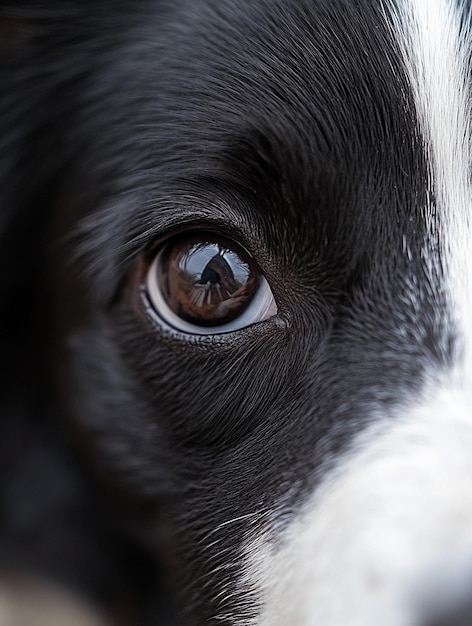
257	477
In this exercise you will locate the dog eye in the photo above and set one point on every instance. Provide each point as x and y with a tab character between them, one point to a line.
203	284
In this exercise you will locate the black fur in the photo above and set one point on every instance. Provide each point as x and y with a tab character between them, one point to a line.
286	125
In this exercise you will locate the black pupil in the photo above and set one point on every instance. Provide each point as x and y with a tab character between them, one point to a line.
208	283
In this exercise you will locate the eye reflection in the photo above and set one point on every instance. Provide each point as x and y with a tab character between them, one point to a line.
206	283
203	284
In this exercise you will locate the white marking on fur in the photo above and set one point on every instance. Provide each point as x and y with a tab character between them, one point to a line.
387	539
436	47
388	536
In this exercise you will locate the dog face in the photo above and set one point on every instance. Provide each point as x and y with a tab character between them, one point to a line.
258	285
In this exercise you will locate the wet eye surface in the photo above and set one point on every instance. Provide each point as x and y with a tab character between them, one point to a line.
204	284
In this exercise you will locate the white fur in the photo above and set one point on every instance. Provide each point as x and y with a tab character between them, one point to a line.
437	52
388	536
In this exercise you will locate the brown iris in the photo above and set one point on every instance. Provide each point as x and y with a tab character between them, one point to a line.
206	281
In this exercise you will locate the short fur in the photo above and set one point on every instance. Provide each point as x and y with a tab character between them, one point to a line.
161	474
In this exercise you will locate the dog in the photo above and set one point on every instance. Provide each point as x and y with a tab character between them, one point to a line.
237	306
